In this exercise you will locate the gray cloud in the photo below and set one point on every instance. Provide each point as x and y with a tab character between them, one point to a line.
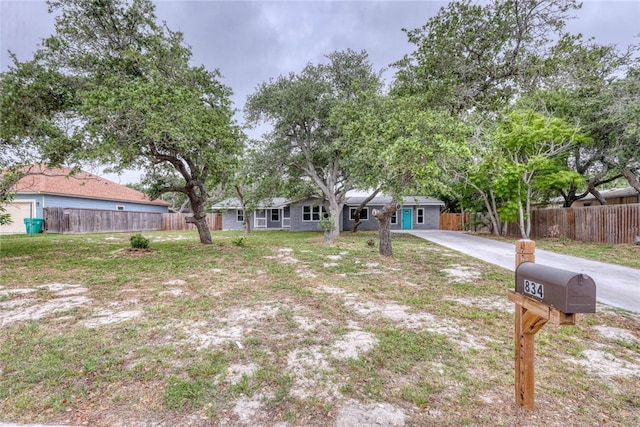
252	41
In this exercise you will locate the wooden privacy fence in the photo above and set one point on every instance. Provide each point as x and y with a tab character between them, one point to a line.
74	220
453	221
603	224
177	221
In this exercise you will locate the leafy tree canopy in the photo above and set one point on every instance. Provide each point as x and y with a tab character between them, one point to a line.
117	87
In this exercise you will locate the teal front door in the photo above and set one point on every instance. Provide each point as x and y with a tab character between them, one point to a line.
407	218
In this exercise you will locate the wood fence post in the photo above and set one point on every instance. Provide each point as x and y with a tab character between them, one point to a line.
526	325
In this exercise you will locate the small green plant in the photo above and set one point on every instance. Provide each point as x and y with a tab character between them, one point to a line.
326	223
239	242
138	241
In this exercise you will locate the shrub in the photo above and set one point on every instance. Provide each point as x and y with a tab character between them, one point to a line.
139	241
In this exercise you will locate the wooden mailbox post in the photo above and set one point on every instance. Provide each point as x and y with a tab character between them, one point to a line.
540	292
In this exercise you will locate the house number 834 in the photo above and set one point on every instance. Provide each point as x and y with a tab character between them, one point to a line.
534	289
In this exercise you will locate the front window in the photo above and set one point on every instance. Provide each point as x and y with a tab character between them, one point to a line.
312	213
275	215
394	218
420	216
364	214
240	216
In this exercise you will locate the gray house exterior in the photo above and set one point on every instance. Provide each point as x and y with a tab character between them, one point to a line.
416	213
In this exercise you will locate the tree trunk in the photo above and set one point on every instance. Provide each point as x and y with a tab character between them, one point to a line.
491	209
332	231
200	221
356	215
247	220
527	212
493	212
523	231
632	178
199	218
597	195
384	227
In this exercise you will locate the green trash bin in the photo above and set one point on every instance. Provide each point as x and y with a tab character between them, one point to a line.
33	225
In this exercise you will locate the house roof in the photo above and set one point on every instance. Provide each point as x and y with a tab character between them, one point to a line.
234	203
62	182
617	192
406	201
280	202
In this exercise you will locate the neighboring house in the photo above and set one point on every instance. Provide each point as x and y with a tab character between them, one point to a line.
620	196
55	187
417	212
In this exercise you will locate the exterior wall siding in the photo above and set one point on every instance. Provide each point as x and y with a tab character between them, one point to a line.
52	201
368	224
230	220
431	219
297	224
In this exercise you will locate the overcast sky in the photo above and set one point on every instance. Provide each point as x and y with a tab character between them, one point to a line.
252	41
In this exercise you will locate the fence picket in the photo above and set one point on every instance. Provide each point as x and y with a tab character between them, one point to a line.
72	220
612	224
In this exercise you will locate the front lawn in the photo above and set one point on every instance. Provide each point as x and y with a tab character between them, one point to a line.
277	328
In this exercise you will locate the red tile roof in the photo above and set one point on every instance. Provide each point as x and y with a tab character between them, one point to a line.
61	181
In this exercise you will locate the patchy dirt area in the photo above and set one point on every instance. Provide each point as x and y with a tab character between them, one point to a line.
320	340
27	304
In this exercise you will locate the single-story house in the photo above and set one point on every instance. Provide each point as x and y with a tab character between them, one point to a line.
618	196
45	187
416	212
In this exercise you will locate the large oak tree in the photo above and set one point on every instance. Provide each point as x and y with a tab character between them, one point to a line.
306	145
113	85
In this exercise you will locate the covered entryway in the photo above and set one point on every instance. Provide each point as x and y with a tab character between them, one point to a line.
407	218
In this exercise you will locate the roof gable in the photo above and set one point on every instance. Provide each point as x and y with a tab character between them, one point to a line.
62	181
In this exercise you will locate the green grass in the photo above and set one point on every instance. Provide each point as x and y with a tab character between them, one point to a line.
200	314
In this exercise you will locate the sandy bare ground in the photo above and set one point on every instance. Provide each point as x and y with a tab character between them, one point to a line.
310	365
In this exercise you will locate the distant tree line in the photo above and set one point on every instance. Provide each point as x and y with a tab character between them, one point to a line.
497	108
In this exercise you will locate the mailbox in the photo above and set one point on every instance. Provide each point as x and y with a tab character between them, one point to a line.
564	290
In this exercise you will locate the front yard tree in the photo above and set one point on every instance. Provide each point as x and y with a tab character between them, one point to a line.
305	144
534	151
596	87
481	55
475	59
131	100
402	147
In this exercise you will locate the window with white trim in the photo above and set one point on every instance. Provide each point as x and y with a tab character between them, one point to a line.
312	213
420	216
364	214
240	216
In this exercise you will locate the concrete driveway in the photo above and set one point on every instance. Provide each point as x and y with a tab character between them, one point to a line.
615	285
